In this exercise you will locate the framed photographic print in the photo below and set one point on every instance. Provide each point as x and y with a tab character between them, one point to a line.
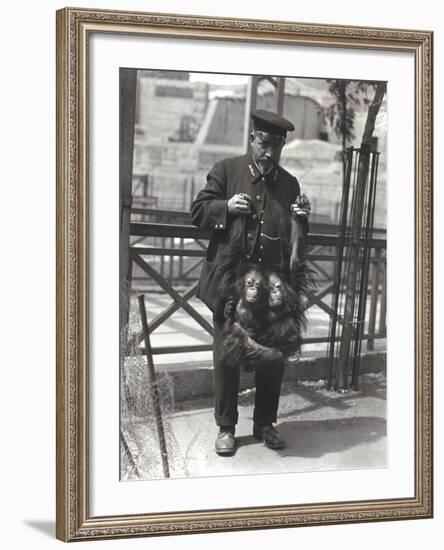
244	274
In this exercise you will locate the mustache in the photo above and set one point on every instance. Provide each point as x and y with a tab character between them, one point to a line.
266	159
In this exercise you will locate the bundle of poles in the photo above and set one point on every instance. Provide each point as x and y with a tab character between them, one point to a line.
352	266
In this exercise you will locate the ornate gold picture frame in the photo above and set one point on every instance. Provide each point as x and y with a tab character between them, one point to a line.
76	519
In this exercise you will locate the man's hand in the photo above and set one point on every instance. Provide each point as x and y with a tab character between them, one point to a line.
239	205
301	206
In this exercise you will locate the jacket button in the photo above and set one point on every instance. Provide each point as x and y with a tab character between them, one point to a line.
258	197
250	236
254	217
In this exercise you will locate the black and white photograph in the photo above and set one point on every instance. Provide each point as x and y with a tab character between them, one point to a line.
219	252
253	261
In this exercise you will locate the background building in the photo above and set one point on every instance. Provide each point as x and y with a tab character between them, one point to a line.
187	121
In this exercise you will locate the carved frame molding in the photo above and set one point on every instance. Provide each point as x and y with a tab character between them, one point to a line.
73	26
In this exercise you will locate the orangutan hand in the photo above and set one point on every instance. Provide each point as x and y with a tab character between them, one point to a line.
301	207
230	308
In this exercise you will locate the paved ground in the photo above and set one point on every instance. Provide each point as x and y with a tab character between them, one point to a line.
323	430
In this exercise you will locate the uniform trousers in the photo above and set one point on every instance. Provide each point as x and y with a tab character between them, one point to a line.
226	389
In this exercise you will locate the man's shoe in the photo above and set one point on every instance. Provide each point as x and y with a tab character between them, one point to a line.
269	435
225	442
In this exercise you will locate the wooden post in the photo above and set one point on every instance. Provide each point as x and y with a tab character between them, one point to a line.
171	269
162	258
184	193
127	113
280	96
192	190
250	105
181	247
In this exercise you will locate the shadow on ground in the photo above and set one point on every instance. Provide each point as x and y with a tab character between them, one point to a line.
323	430
313	439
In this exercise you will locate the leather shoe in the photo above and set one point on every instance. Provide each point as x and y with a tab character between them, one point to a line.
269	435
225	442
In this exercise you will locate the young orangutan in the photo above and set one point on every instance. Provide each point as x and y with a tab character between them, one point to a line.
285	317
246	320
264	316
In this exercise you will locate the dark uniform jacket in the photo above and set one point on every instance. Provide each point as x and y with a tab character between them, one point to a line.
271	197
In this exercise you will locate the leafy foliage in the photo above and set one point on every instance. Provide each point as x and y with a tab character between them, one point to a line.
349	97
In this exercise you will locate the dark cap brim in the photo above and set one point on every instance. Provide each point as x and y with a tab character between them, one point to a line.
267	121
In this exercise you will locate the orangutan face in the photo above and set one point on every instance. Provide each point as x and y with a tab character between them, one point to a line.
276	293
255	287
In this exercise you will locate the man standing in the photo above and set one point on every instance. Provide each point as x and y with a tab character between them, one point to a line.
273	193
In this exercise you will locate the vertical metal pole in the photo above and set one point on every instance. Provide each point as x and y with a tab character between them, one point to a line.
373	301
365	266
350	296
129	454
382	330
338	269
155	397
